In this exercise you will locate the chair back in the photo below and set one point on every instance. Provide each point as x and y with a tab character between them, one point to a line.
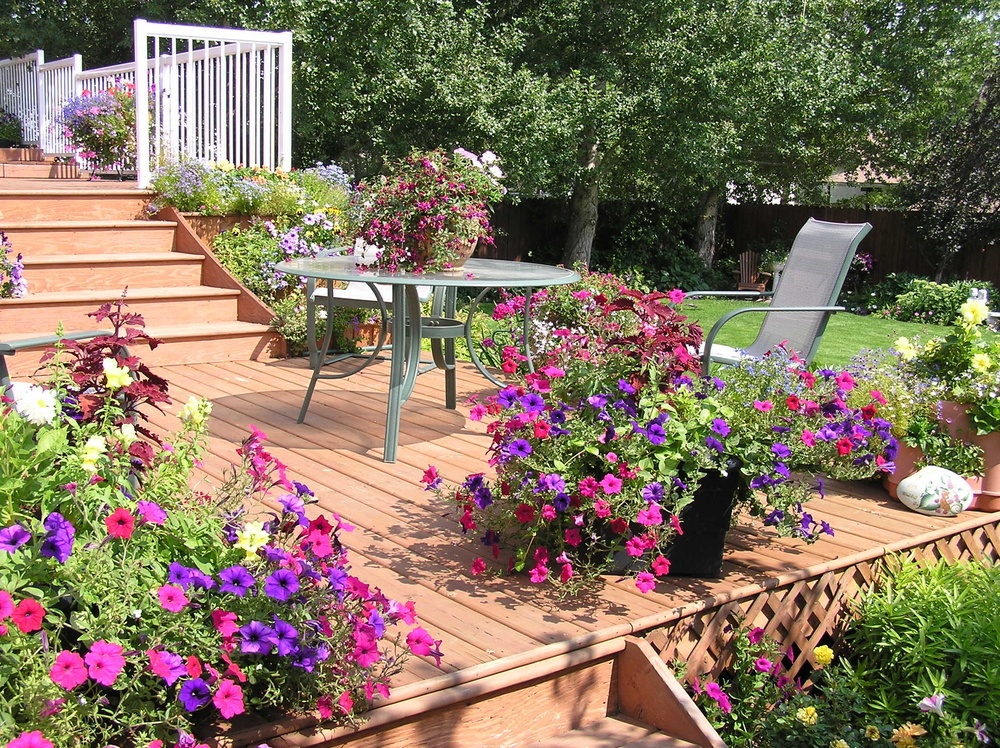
814	273
751	279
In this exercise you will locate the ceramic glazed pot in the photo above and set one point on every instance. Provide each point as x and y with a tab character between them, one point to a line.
936	491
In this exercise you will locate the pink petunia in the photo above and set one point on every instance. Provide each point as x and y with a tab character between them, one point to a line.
324	707
714	690
172	598
572	536
478	567
650	516
763	405
68	671
661	566
611	484
423	644
225	622
104	662
477	412
763	665
228	699
675	295
6	605
33	739
539	573
755	635
808	438
345	702
645	581
602	509
151	513
566	574
120	523
28	615
587	487
845	381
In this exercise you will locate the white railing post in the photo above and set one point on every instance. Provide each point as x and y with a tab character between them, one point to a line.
285	101
141	94
41	105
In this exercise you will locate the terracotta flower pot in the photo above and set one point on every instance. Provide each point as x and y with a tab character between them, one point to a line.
956	418
906	464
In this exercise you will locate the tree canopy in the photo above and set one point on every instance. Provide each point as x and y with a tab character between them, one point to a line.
683	103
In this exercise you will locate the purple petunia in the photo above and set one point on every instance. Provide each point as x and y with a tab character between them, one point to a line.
151	513
293	504
532	402
281	585
655	432
781	451
58	542
507	397
519	448
256	638
712	443
13	537
720	427
652	492
194	694
285	637
597	401
236	580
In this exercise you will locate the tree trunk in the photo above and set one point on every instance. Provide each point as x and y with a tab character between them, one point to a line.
583	207
705	236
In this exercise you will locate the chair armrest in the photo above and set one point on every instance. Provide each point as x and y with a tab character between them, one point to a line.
10	347
730	294
706	356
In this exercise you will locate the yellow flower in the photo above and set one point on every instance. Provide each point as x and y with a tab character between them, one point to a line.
126	434
807	715
93	450
903	736
980	362
974	311
195	411
116	376
251	538
823	656
839	743
872	732
905	348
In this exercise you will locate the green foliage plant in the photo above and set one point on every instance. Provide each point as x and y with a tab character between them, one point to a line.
927	629
10	127
134	608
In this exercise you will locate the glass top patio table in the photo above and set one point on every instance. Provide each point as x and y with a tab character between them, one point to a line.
484	274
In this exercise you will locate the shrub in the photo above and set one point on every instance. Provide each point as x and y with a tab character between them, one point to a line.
10	127
931	629
926	301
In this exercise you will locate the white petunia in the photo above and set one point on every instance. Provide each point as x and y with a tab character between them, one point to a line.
36	405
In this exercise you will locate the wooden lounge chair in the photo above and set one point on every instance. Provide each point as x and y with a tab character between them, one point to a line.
750	276
805	297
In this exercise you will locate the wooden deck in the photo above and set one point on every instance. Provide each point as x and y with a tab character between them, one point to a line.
407	543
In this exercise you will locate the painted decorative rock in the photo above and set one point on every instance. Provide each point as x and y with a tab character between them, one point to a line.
934	490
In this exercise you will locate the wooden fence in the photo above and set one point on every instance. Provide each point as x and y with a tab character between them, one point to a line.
536	229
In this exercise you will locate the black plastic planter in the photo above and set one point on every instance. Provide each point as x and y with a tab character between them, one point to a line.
705	521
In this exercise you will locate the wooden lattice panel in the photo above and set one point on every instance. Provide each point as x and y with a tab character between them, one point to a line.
802	612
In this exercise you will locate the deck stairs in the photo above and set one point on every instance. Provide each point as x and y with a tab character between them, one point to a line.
613	694
88	243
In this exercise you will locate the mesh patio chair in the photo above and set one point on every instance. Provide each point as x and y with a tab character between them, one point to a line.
804	299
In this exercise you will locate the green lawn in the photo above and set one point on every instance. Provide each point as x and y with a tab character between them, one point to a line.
846	334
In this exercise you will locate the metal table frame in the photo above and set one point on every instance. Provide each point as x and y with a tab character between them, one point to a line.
407	316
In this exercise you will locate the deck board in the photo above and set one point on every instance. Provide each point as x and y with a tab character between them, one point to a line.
407	541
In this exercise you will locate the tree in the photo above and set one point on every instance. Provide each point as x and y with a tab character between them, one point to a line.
957	183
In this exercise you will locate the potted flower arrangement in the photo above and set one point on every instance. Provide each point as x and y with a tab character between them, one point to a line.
10	129
100	126
12	282
430	210
959	373
604	456
134	609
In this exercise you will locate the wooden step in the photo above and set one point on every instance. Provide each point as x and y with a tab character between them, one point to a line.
39	170
52	273
181	344
13	155
34	238
616	690
40	314
103	204
613	732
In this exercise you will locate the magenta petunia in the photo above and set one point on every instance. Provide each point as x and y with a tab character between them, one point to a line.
611	484
120	523
6	605
151	513
645	581
104	662
172	598
423	644
33	739
167	665
68	671
228	699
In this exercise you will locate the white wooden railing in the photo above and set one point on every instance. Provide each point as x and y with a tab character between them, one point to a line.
211	94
